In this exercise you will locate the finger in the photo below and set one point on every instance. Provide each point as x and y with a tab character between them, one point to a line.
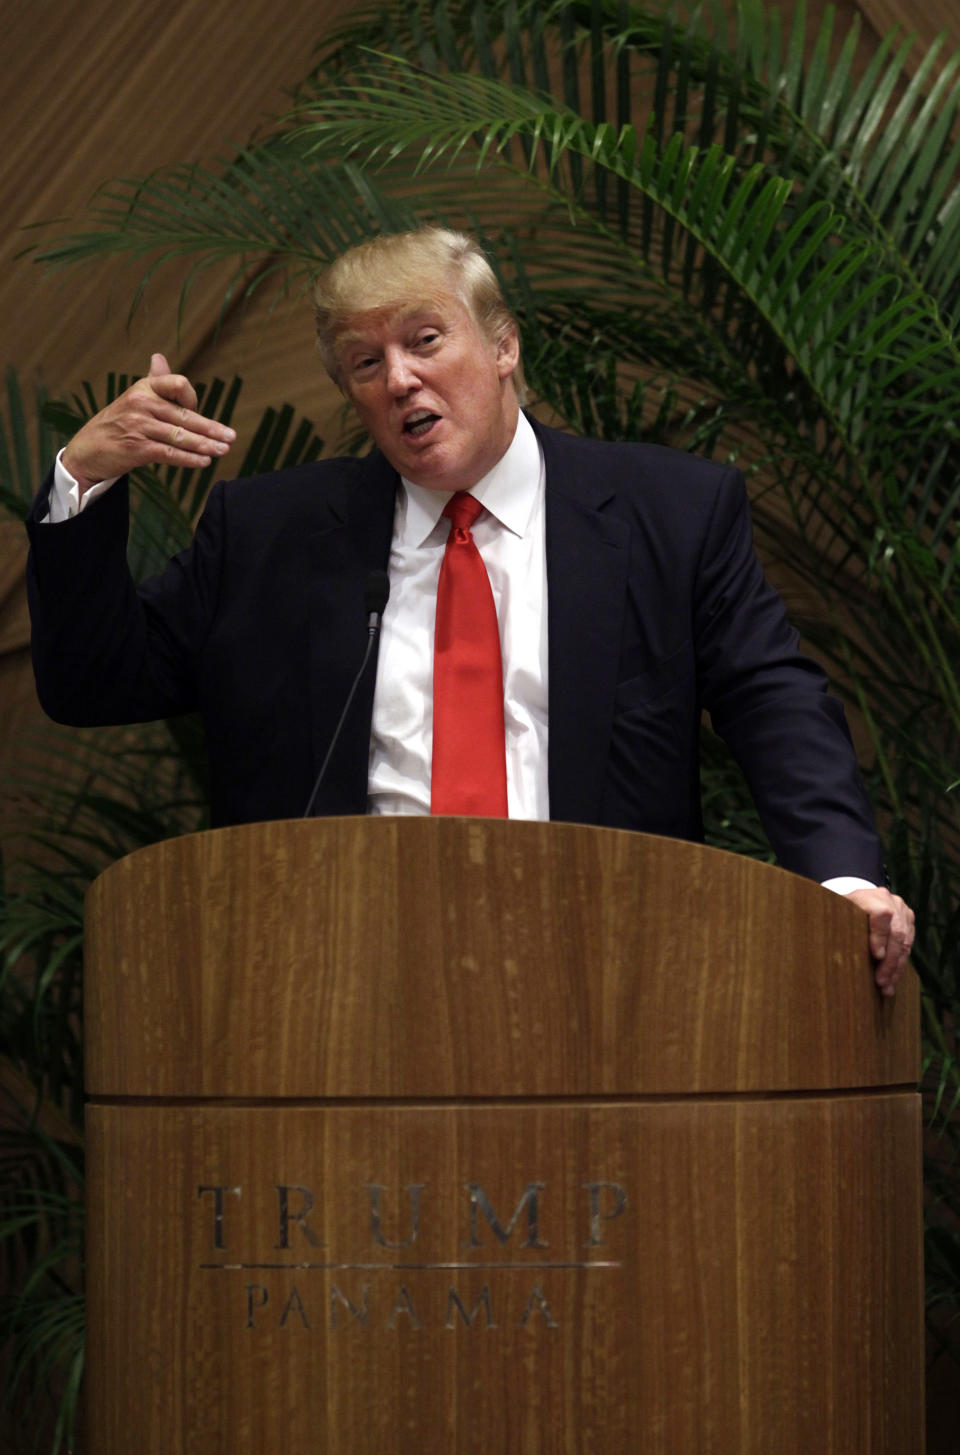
183	459
168	385
887	974
189	453
175	388
187	428
180	441
151	415
899	942
166	442
890	934
881	921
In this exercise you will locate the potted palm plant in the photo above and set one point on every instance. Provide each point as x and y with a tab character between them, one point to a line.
728	235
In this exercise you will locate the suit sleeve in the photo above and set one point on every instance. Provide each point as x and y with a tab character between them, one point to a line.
105	650
770	704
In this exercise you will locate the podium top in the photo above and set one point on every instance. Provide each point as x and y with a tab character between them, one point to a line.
472	958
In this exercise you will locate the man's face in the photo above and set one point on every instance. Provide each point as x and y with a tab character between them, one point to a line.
433	391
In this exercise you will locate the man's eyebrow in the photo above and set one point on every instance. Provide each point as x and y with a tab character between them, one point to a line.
357	336
352	336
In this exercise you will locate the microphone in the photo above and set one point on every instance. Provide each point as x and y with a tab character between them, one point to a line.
376	592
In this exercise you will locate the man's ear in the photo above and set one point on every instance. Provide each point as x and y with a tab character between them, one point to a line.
508	353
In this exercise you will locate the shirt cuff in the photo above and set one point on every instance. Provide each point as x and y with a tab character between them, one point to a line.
65	499
846	884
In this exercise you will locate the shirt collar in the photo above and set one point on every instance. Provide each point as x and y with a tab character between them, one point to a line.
509	491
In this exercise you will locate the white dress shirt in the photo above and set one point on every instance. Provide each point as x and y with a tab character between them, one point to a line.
510	536
65	501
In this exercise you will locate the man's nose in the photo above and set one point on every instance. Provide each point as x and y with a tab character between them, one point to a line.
401	373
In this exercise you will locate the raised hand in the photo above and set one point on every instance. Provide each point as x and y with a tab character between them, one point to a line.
154	422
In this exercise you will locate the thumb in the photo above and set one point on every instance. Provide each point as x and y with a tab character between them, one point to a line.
158	365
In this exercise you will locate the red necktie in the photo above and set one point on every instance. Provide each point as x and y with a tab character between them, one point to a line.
469	758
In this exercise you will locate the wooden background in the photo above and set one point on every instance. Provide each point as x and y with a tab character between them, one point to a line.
95	91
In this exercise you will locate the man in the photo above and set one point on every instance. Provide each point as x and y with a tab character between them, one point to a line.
626	588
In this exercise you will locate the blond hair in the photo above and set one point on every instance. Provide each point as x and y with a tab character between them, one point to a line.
393	269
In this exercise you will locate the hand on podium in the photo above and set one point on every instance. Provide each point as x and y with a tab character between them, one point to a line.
891	934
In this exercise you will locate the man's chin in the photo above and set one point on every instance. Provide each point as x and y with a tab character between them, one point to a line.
427	468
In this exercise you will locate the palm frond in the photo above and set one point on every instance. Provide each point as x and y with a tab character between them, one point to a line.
28	442
41	1250
718	228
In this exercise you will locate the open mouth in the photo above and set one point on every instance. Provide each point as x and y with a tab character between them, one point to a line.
419	423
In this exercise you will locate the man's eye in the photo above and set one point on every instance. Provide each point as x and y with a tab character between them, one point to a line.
429	338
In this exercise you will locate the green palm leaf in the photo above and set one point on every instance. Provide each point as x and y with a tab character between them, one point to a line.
718	229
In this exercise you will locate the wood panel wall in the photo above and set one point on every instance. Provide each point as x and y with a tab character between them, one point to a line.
92	91
95	91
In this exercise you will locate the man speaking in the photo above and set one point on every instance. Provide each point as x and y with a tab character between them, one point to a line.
560	610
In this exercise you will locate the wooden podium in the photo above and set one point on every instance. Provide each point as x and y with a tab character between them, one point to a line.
423	1136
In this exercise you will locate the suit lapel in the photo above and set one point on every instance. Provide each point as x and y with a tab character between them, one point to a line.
587	563
352	541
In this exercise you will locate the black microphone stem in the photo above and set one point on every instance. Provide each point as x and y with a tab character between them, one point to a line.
375	599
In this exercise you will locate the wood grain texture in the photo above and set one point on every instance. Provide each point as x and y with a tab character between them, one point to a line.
417	1135
747	1279
94	92
450	957
926	21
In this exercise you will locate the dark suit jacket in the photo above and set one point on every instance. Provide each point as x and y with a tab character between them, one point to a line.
657	608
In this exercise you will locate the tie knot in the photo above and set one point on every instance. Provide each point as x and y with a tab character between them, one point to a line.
462	509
